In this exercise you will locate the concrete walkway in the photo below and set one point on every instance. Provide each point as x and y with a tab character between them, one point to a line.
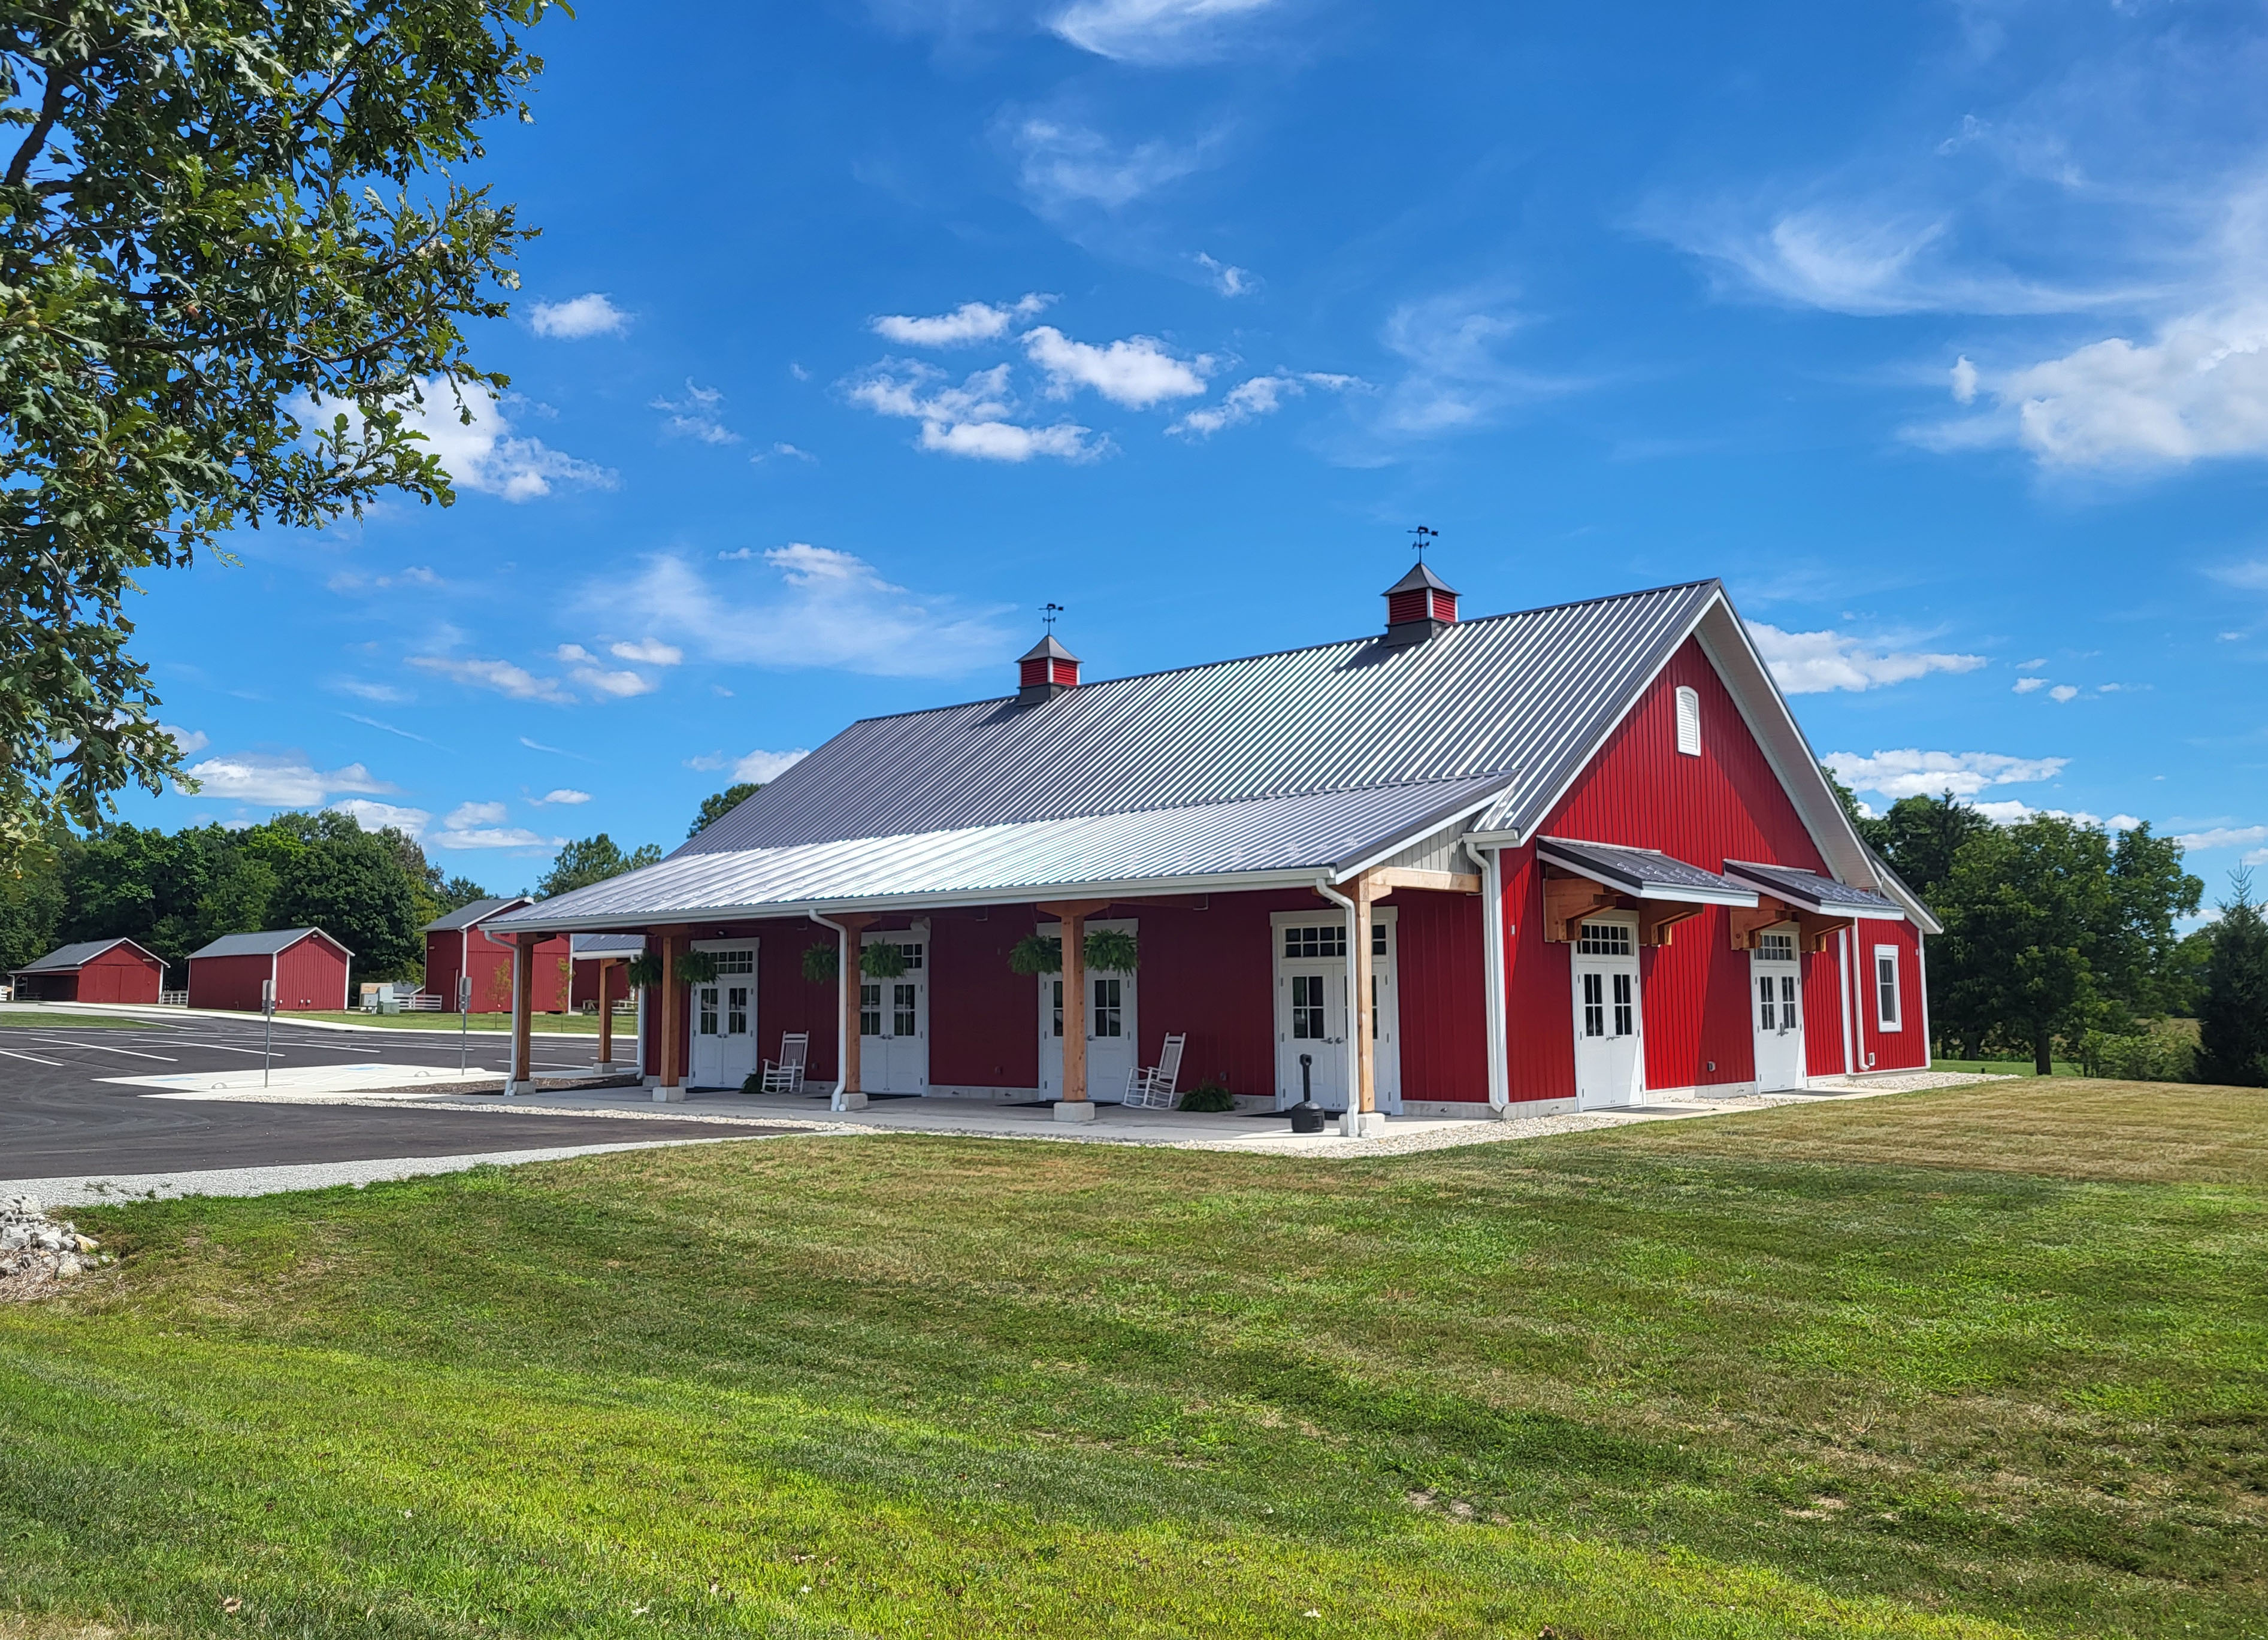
159	1012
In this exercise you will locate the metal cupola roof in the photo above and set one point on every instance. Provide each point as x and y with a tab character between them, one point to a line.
1419	579
1047	649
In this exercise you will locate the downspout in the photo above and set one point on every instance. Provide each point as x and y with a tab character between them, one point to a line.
1850	1020
1350	1122
1921	968
835	1100
1499	1078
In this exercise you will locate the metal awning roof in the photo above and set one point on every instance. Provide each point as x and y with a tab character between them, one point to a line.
1643	873
65	959
1271	840
597	946
1808	891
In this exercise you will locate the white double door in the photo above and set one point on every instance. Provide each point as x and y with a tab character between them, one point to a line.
894	1018
1776	983
725	1052
1609	1019
1114	1036
1312	1012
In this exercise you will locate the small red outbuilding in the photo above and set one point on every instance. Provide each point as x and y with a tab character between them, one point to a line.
456	944
308	966
93	971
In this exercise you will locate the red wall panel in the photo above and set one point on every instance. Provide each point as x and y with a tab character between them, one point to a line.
310	977
120	975
983	1028
488	961
1440	975
1825	1019
1906	1049
232	983
1539	1006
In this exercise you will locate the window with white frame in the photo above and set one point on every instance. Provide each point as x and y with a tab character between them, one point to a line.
1689	721
1888	1015
1604	940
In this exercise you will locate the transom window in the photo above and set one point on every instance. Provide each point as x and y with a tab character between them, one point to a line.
741	961
912	953
1605	939
1308	1006
1378	939
1776	947
1320	940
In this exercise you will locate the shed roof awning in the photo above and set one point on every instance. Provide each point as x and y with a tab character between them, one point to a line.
1218	846
1808	891
1643	873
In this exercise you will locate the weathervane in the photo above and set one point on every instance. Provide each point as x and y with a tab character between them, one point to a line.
1047	613
1426	538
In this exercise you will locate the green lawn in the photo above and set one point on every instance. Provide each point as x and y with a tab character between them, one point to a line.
571	1024
2005	1067
12	1018
1978	1363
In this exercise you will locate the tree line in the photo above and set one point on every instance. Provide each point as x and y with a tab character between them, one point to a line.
2061	942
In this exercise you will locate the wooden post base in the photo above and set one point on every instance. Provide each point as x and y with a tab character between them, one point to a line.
1074	1110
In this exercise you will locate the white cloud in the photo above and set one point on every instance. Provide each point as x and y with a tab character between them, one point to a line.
365	690
2063	692
1227	279
696	416
500	675
652	652
1913	773
1814	663
1964	381
588	315
1070	165
971	420
2010	811
2252	576
286	779
478	815
1261	395
564	796
2031	666
971	321
377	816
584	668
1456	376
2025	685
1153	31
186	740
1136	372
486	825
763	768
479	454
2224	837
822	607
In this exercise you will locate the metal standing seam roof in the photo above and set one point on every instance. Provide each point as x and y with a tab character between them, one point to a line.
62	959
262	945
1531	692
1295	838
1645	873
472	912
606	944
1810	890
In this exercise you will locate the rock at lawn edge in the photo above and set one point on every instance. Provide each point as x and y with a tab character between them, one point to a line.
38	1254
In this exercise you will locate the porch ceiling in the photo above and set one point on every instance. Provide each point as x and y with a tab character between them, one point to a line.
1258	843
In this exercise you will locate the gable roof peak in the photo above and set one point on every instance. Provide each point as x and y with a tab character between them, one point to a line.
1421	578
1047	649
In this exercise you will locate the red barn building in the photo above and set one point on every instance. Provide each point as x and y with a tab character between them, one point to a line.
1569	858
459	943
93	971
308	966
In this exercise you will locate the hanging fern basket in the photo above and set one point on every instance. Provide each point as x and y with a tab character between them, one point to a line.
644	969
697	967
1035	953
821	964
882	961
1113	951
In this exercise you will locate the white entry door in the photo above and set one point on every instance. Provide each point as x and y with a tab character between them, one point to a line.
1609	1024
1113	1033
893	1020
1312	1013
1776	978
724	1018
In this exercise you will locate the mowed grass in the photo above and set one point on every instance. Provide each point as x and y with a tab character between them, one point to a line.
552	1024
27	1019
1979	1362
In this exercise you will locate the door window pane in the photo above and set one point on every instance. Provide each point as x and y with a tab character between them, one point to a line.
1595	1005
1787	1001
736	1010
1378	939
1058	1028
1764	1002
1626	1023
1308	1006
902	1022
1110	1017
870	1009
912	954
707	996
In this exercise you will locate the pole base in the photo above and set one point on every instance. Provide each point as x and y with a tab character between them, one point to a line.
674	1095
847	1098
1074	1110
1363	1124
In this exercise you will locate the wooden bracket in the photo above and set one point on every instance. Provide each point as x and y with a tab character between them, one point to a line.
1747	921
1387	878
1567	900
1818	929
1657	917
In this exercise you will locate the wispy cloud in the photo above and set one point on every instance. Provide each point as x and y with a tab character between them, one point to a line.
474	439
699	415
811	607
1156	31
652	652
374	722
970	322
186	741
2224	837
1261	395
501	675
362	689
1814	663
975	419
286	779
1913	773
1136	372
617	684
1064	165
377	816
591	314
487	826
1227	279
556	751
2251	576
759	766
1456	376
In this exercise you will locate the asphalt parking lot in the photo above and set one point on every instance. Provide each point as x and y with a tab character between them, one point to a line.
60	1116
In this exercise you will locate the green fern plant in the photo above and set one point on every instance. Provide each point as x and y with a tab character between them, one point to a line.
697	967
1035	953
644	970
822	964
1110	949
883	960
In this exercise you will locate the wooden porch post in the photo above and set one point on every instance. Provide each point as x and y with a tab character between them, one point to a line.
606	1013
669	1087
1074	1104
523	1004
1364	896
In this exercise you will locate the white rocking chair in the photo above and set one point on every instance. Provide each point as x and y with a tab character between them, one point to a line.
1152	1088
784	1075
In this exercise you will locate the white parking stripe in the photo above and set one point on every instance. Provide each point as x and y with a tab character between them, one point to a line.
49	1042
34	1058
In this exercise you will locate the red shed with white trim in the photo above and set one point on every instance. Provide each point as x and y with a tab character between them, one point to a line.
457	943
93	971
308	966
1572	857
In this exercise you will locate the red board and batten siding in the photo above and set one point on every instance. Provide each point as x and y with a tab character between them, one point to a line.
1907	1048
1641	791
123	974
310	976
448	952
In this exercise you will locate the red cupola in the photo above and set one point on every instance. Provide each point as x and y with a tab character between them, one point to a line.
1418	605
1045	671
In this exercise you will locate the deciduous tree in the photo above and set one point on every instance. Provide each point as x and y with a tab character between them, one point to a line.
718	805
593	860
2233	1018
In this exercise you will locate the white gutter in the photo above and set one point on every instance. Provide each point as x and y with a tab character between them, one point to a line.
1499	1078
1350	1124
1921	963
1849	1021
843	960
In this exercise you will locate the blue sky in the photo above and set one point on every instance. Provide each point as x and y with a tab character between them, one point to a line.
859	331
